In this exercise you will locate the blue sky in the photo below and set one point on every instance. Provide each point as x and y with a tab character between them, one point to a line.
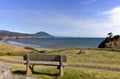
77	18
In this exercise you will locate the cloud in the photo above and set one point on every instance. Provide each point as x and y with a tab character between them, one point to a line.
68	25
113	19
113	16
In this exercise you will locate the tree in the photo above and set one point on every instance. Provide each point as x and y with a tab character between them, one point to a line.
110	34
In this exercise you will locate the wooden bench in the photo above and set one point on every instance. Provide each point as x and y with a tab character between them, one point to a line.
47	60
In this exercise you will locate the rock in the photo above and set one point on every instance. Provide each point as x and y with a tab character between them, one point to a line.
81	51
5	72
111	42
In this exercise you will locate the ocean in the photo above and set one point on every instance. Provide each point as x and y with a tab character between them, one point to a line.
57	42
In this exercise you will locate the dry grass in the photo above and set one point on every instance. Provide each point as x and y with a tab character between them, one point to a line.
70	73
5	48
12	58
91	58
8	49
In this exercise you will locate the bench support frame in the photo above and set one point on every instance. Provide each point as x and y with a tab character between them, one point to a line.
30	68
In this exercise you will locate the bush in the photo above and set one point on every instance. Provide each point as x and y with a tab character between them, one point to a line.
32	49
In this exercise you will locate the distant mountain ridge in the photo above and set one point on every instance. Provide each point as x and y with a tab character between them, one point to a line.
42	34
5	33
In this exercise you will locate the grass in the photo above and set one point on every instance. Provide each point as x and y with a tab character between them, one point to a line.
70	73
5	48
13	50
92	57
12	58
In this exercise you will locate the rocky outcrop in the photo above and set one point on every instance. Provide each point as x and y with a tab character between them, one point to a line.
111	42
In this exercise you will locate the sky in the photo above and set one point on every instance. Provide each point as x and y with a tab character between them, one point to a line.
76	18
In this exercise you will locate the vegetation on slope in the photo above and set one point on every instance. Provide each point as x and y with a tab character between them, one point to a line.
7	49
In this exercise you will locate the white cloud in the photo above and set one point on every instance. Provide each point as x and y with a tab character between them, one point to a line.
113	19
113	16
72	27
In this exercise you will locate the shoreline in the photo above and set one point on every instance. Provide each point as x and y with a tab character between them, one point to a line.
37	48
57	43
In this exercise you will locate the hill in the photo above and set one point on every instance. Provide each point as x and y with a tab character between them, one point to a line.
43	34
5	33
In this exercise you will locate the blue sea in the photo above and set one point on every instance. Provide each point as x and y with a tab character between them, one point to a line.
57	42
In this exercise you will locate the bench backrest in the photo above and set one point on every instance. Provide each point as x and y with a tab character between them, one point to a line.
38	57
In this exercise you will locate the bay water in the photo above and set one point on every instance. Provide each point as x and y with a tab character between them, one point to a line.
57	42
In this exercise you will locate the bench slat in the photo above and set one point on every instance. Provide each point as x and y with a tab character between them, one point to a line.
37	57
46	63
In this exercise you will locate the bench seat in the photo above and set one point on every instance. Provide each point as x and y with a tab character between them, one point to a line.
45	63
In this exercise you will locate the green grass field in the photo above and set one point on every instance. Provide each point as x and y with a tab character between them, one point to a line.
98	58
70	73
92	57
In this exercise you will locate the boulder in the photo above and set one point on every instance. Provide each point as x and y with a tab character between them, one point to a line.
82	51
5	72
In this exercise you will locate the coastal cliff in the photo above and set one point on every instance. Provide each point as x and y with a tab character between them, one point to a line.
111	42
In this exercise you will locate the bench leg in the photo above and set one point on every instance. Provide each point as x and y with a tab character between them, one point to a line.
28	70
61	71
32	68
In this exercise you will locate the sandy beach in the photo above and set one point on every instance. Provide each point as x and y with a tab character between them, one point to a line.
5	43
